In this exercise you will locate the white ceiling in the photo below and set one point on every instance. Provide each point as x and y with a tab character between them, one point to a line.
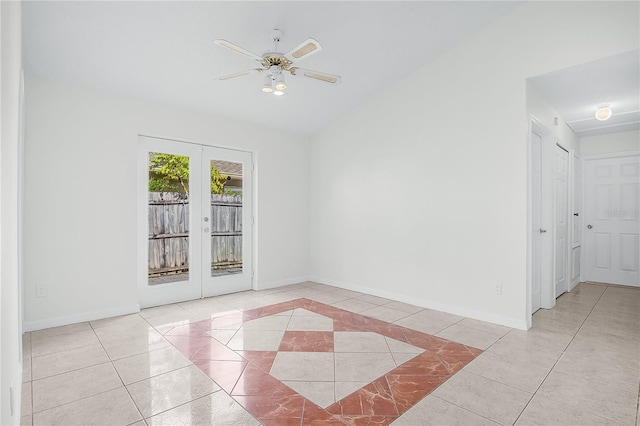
164	51
578	91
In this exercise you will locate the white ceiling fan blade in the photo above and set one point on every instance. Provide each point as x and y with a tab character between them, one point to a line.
236	48
322	76
304	50
239	74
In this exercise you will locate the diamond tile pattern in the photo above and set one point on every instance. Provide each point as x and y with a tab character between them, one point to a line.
302	361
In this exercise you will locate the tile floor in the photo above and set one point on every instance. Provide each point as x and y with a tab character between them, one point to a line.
314	354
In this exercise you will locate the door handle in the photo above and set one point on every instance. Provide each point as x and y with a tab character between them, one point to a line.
589	226
542	231
576	214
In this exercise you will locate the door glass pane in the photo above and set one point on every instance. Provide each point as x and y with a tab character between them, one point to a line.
168	218
226	218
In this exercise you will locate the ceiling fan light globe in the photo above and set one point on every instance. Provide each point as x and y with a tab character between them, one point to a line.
281	86
267	86
267	89
279	82
278	92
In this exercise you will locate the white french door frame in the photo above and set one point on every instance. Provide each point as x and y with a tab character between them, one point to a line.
199	283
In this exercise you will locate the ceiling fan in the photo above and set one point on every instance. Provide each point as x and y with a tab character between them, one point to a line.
275	63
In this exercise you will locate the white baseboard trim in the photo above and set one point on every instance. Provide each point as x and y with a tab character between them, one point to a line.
429	304
281	283
82	317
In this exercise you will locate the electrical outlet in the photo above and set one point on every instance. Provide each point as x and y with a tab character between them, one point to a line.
41	291
497	289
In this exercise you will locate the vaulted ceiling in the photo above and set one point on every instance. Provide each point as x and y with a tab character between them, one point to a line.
164	51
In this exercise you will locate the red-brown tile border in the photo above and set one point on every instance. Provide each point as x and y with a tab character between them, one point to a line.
245	374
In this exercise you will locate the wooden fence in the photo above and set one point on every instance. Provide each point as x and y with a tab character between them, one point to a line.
169	232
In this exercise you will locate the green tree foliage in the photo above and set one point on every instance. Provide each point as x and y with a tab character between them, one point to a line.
170	173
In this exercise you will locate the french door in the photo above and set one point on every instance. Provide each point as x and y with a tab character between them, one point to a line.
194	221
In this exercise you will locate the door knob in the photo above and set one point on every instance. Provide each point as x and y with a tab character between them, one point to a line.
589	226
206	219
542	231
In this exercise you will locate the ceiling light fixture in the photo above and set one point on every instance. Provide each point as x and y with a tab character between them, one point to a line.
267	87
274	81
603	113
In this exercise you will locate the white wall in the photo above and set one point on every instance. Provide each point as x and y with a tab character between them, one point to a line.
80	156
456	132
610	143
10	336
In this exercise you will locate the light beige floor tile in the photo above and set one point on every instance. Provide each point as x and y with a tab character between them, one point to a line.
73	359
527	351
480	396
63	342
26	400
256	340
121	341
26	420
437	412
597	367
304	366
328	298
362	367
613	401
354	305
131	319
26	370
310	323
564	316
68	387
425	325
509	371
321	393
348	293
347	341
401	347
470	336
484	326
374	299
544	412
548	324
385	314
216	409
343	389
404	307
222	336
150	364
272	322
113	407
160	393
56	331
161	310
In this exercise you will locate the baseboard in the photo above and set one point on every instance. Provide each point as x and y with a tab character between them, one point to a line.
281	283
76	318
429	304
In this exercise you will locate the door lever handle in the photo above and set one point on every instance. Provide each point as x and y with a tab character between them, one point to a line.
576	214
542	231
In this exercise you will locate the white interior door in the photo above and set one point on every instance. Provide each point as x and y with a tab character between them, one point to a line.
192	243
561	221
611	220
